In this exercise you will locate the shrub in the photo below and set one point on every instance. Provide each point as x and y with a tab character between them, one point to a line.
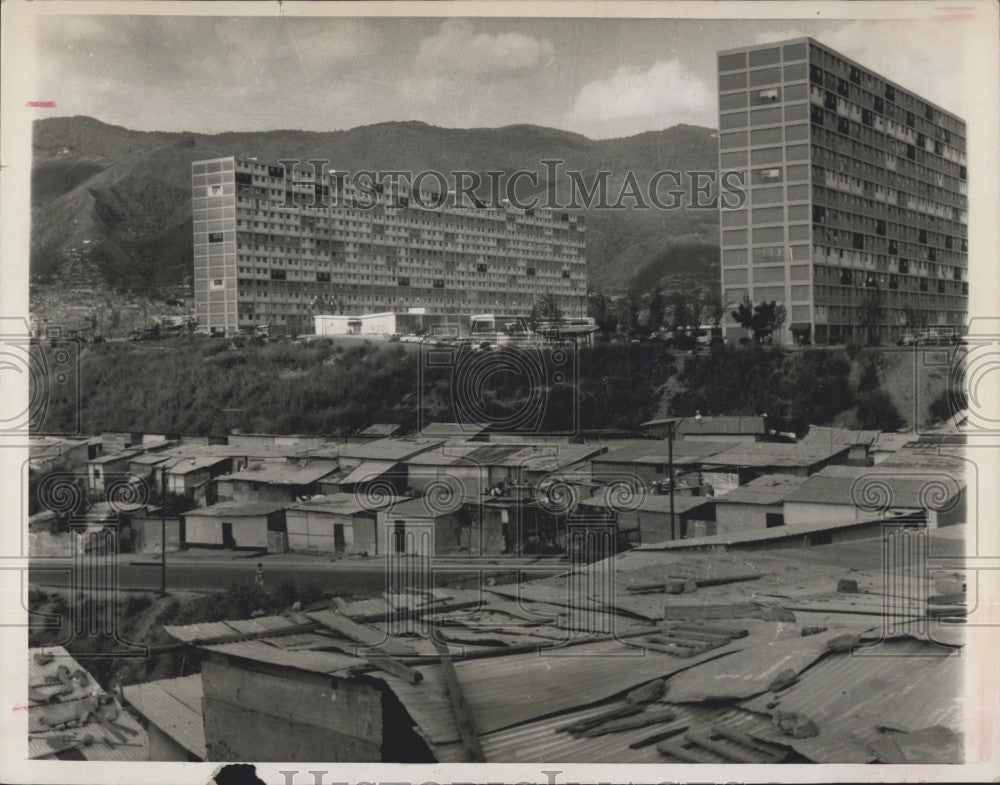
853	349
877	411
947	404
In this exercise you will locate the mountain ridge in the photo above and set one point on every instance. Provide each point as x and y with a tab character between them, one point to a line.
127	193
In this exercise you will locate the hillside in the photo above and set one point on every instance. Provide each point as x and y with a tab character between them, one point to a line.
121	198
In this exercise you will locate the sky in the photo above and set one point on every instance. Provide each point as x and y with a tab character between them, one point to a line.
599	77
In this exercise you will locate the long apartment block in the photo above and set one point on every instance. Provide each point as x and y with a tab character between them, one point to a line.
853	184
270	244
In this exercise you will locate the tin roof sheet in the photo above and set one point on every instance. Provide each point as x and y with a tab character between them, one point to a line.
173	706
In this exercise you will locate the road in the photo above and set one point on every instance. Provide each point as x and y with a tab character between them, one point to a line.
367	577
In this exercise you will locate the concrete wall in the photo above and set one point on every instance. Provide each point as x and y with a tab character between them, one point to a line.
163	748
314	532
740	518
146	534
248	532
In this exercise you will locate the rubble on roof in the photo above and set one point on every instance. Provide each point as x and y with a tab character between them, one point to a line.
70	716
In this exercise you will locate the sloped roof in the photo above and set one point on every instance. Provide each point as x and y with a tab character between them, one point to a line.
730	425
656	451
767	490
648	503
50	702
341	504
887	488
533	457
303	472
836	436
237	509
775	454
380	429
173	706
388	449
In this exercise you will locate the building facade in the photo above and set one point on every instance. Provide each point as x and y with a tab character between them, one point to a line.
273	248
856	214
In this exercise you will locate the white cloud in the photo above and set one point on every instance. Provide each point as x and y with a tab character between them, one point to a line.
634	100
457	49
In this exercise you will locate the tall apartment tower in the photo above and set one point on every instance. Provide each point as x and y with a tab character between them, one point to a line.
856	214
269	244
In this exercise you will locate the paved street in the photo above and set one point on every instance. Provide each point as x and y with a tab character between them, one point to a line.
363	577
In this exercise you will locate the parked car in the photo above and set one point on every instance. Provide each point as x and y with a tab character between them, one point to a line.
929	338
906	339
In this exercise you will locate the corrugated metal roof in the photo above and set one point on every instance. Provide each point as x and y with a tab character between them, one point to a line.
648	502
173	706
388	449
45	741
380	429
774	533
656	451
237	509
316	661
722	424
834	436
453	429
341	504
366	471
888	487
288	473
763	454
532	457
770	489
907	682
193	464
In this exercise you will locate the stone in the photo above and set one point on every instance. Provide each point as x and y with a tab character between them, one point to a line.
847	586
795	725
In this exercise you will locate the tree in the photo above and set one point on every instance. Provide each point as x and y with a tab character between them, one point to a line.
629	318
715	308
680	312
744	315
770	318
657	306
871	311
695	312
603	313
549	310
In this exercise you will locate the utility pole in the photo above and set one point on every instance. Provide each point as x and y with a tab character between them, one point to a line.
163	551
670	473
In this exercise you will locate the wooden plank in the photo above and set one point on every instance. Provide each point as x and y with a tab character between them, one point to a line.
688	754
396	668
619	712
363	634
463	718
729	610
232	733
652	716
657	737
348	708
733	750
775	752
730	632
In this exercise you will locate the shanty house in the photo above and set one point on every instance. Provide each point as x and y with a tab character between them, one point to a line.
646	462
258	525
171	712
745	462
286	481
416	527
472	470
861	442
341	523
760	504
646	517
850	493
105	470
